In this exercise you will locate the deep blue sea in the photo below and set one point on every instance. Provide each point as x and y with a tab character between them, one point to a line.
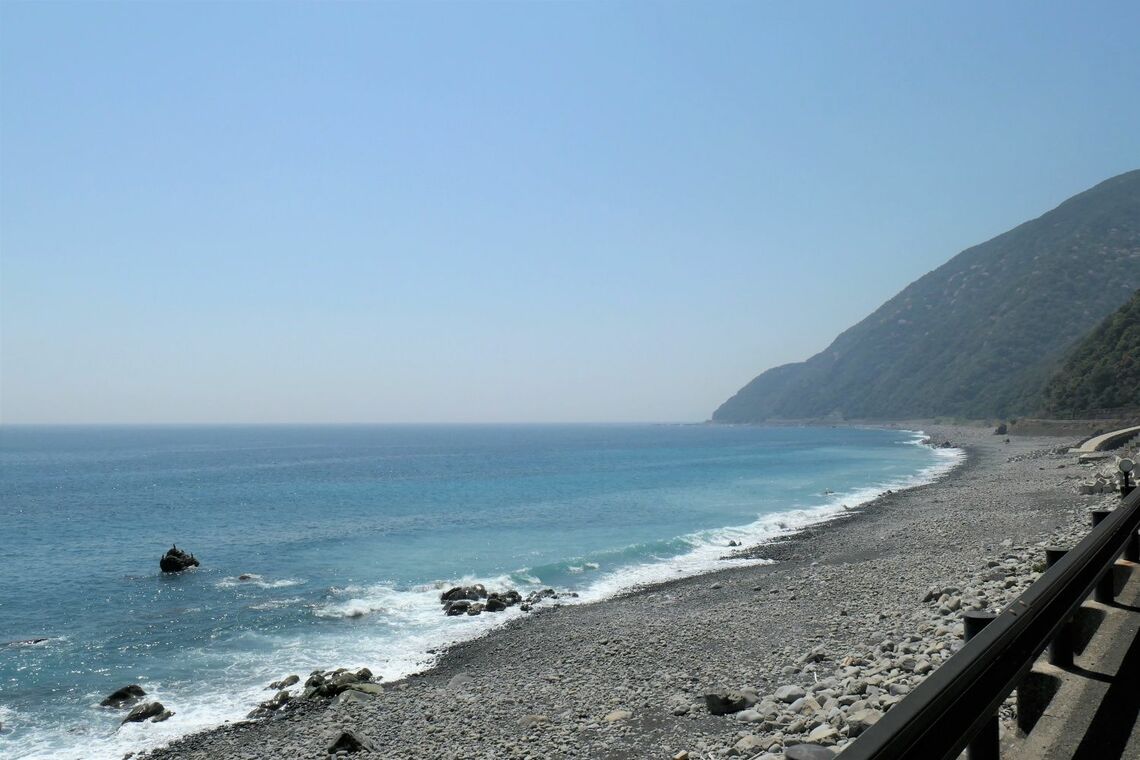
349	532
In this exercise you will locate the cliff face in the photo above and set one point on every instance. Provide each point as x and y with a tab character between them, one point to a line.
1103	371
981	335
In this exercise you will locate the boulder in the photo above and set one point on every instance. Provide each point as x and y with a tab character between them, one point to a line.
749	745
144	711
372	689
860	720
614	716
536	596
270	706
125	696
165	714
789	694
724	701
460	600
352	696
322	685
175	561
824	734
474	593
284	682
339	682
346	741
456	607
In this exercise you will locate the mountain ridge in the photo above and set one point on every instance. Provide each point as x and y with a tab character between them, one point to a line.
980	335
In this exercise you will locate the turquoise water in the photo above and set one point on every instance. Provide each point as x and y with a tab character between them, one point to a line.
349	532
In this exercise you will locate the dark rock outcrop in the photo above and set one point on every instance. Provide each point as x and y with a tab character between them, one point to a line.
285	682
270	706
125	696
474	593
725	702
175	561
457	607
144	711
475	599
325	685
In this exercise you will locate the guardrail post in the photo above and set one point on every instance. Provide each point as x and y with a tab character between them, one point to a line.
1132	550
1105	591
986	745
1061	647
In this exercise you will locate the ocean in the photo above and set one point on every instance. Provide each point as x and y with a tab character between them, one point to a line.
345	536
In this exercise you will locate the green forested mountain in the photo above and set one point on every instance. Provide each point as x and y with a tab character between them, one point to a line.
1103	371
981	335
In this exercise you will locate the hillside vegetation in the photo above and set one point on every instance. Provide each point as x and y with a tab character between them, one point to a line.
1104	369
978	337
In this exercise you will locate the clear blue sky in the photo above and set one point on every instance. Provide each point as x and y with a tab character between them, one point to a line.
418	212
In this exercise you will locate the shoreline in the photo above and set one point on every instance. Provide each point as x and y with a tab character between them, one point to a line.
626	677
820	509
765	551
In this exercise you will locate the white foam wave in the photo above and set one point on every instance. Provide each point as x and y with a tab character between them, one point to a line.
274	604
39	642
709	547
353	608
257	581
8	717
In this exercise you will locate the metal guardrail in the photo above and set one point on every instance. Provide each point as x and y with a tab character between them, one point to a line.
957	705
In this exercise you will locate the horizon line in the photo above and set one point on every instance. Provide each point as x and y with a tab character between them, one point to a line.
350	424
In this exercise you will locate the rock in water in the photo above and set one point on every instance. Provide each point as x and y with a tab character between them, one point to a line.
285	682
124	696
144	711
175	560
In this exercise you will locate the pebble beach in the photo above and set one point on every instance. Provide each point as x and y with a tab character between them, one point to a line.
811	647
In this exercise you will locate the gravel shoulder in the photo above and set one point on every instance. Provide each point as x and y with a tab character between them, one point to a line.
847	613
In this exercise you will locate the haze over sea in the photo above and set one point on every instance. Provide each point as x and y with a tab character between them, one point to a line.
348	533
